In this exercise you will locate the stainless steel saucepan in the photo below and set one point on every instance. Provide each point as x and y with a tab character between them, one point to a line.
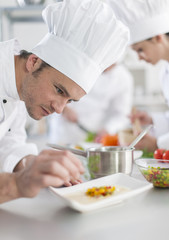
104	161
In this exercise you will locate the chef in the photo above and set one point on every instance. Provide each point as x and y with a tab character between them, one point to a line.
103	111
56	72
148	21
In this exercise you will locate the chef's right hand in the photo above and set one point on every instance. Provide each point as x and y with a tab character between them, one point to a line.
143	117
49	168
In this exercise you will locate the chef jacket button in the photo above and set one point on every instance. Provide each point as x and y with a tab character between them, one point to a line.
9	130
4	101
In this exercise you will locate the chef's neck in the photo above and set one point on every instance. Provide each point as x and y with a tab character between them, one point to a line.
19	72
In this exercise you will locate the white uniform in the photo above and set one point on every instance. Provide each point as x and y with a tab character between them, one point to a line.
12	112
105	107
161	119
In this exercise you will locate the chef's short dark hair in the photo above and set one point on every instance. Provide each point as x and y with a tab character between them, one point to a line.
167	34
25	54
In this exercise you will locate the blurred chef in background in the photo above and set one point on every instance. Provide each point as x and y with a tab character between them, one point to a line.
103	111
148	21
84	38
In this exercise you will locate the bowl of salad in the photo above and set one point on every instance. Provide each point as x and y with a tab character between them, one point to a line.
155	171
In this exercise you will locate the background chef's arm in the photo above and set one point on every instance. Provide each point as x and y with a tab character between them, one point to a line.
161	123
13	146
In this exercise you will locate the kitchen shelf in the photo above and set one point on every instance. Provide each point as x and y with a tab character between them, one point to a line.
11	15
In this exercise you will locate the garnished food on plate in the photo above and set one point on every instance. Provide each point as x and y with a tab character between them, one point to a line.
96	193
103	191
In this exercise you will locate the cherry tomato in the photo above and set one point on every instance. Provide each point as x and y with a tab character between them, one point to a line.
158	154
166	155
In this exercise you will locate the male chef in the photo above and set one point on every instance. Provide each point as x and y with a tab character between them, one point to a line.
84	38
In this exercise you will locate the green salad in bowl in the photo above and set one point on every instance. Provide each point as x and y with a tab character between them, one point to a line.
155	171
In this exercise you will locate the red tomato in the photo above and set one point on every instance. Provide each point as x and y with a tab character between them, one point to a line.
166	155
158	154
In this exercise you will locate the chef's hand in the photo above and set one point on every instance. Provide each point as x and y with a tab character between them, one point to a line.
99	136
70	114
49	168
147	142
143	117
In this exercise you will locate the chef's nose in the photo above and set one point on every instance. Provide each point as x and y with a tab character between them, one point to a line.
142	56
59	106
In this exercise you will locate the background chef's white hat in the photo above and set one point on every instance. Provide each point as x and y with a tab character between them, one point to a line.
145	18
84	38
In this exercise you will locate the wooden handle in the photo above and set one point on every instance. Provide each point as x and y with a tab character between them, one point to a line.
136	124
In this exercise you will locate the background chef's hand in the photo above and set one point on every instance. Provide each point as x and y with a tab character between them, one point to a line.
70	114
147	142
100	135
143	117
49	168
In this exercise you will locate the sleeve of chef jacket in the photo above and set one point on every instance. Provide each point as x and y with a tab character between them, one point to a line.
121	103
13	146
161	128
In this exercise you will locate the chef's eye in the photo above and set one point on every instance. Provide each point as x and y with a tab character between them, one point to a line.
70	100
140	50
59	90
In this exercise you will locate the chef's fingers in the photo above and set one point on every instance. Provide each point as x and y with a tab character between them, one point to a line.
49	180
52	166
72	182
61	156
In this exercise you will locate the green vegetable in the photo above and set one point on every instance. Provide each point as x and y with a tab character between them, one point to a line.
158	176
147	154
93	165
90	137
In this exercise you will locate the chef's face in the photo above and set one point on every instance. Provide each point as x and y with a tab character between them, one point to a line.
47	91
149	50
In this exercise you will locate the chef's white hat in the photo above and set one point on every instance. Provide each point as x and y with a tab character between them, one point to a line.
84	38
145	18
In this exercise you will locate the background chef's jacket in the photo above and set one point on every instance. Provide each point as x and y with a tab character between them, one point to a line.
106	106
13	146
161	119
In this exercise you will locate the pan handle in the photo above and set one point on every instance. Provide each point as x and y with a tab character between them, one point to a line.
75	151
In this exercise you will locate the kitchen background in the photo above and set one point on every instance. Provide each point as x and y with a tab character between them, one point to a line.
25	23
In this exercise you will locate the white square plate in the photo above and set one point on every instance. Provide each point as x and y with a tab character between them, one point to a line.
133	185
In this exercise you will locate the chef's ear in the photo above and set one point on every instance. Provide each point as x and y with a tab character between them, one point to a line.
157	39
33	63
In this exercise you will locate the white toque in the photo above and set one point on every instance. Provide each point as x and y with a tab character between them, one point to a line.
145	18
84	39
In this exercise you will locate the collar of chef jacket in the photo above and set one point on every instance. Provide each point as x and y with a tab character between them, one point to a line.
8	91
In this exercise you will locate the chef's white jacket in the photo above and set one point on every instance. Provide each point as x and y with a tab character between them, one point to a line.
161	119
105	107
13	146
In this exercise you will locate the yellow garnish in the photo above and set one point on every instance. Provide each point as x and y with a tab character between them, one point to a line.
100	191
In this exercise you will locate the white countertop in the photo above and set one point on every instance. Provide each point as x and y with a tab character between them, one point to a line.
46	217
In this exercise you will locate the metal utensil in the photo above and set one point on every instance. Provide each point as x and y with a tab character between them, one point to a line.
104	161
82	127
73	150
140	136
